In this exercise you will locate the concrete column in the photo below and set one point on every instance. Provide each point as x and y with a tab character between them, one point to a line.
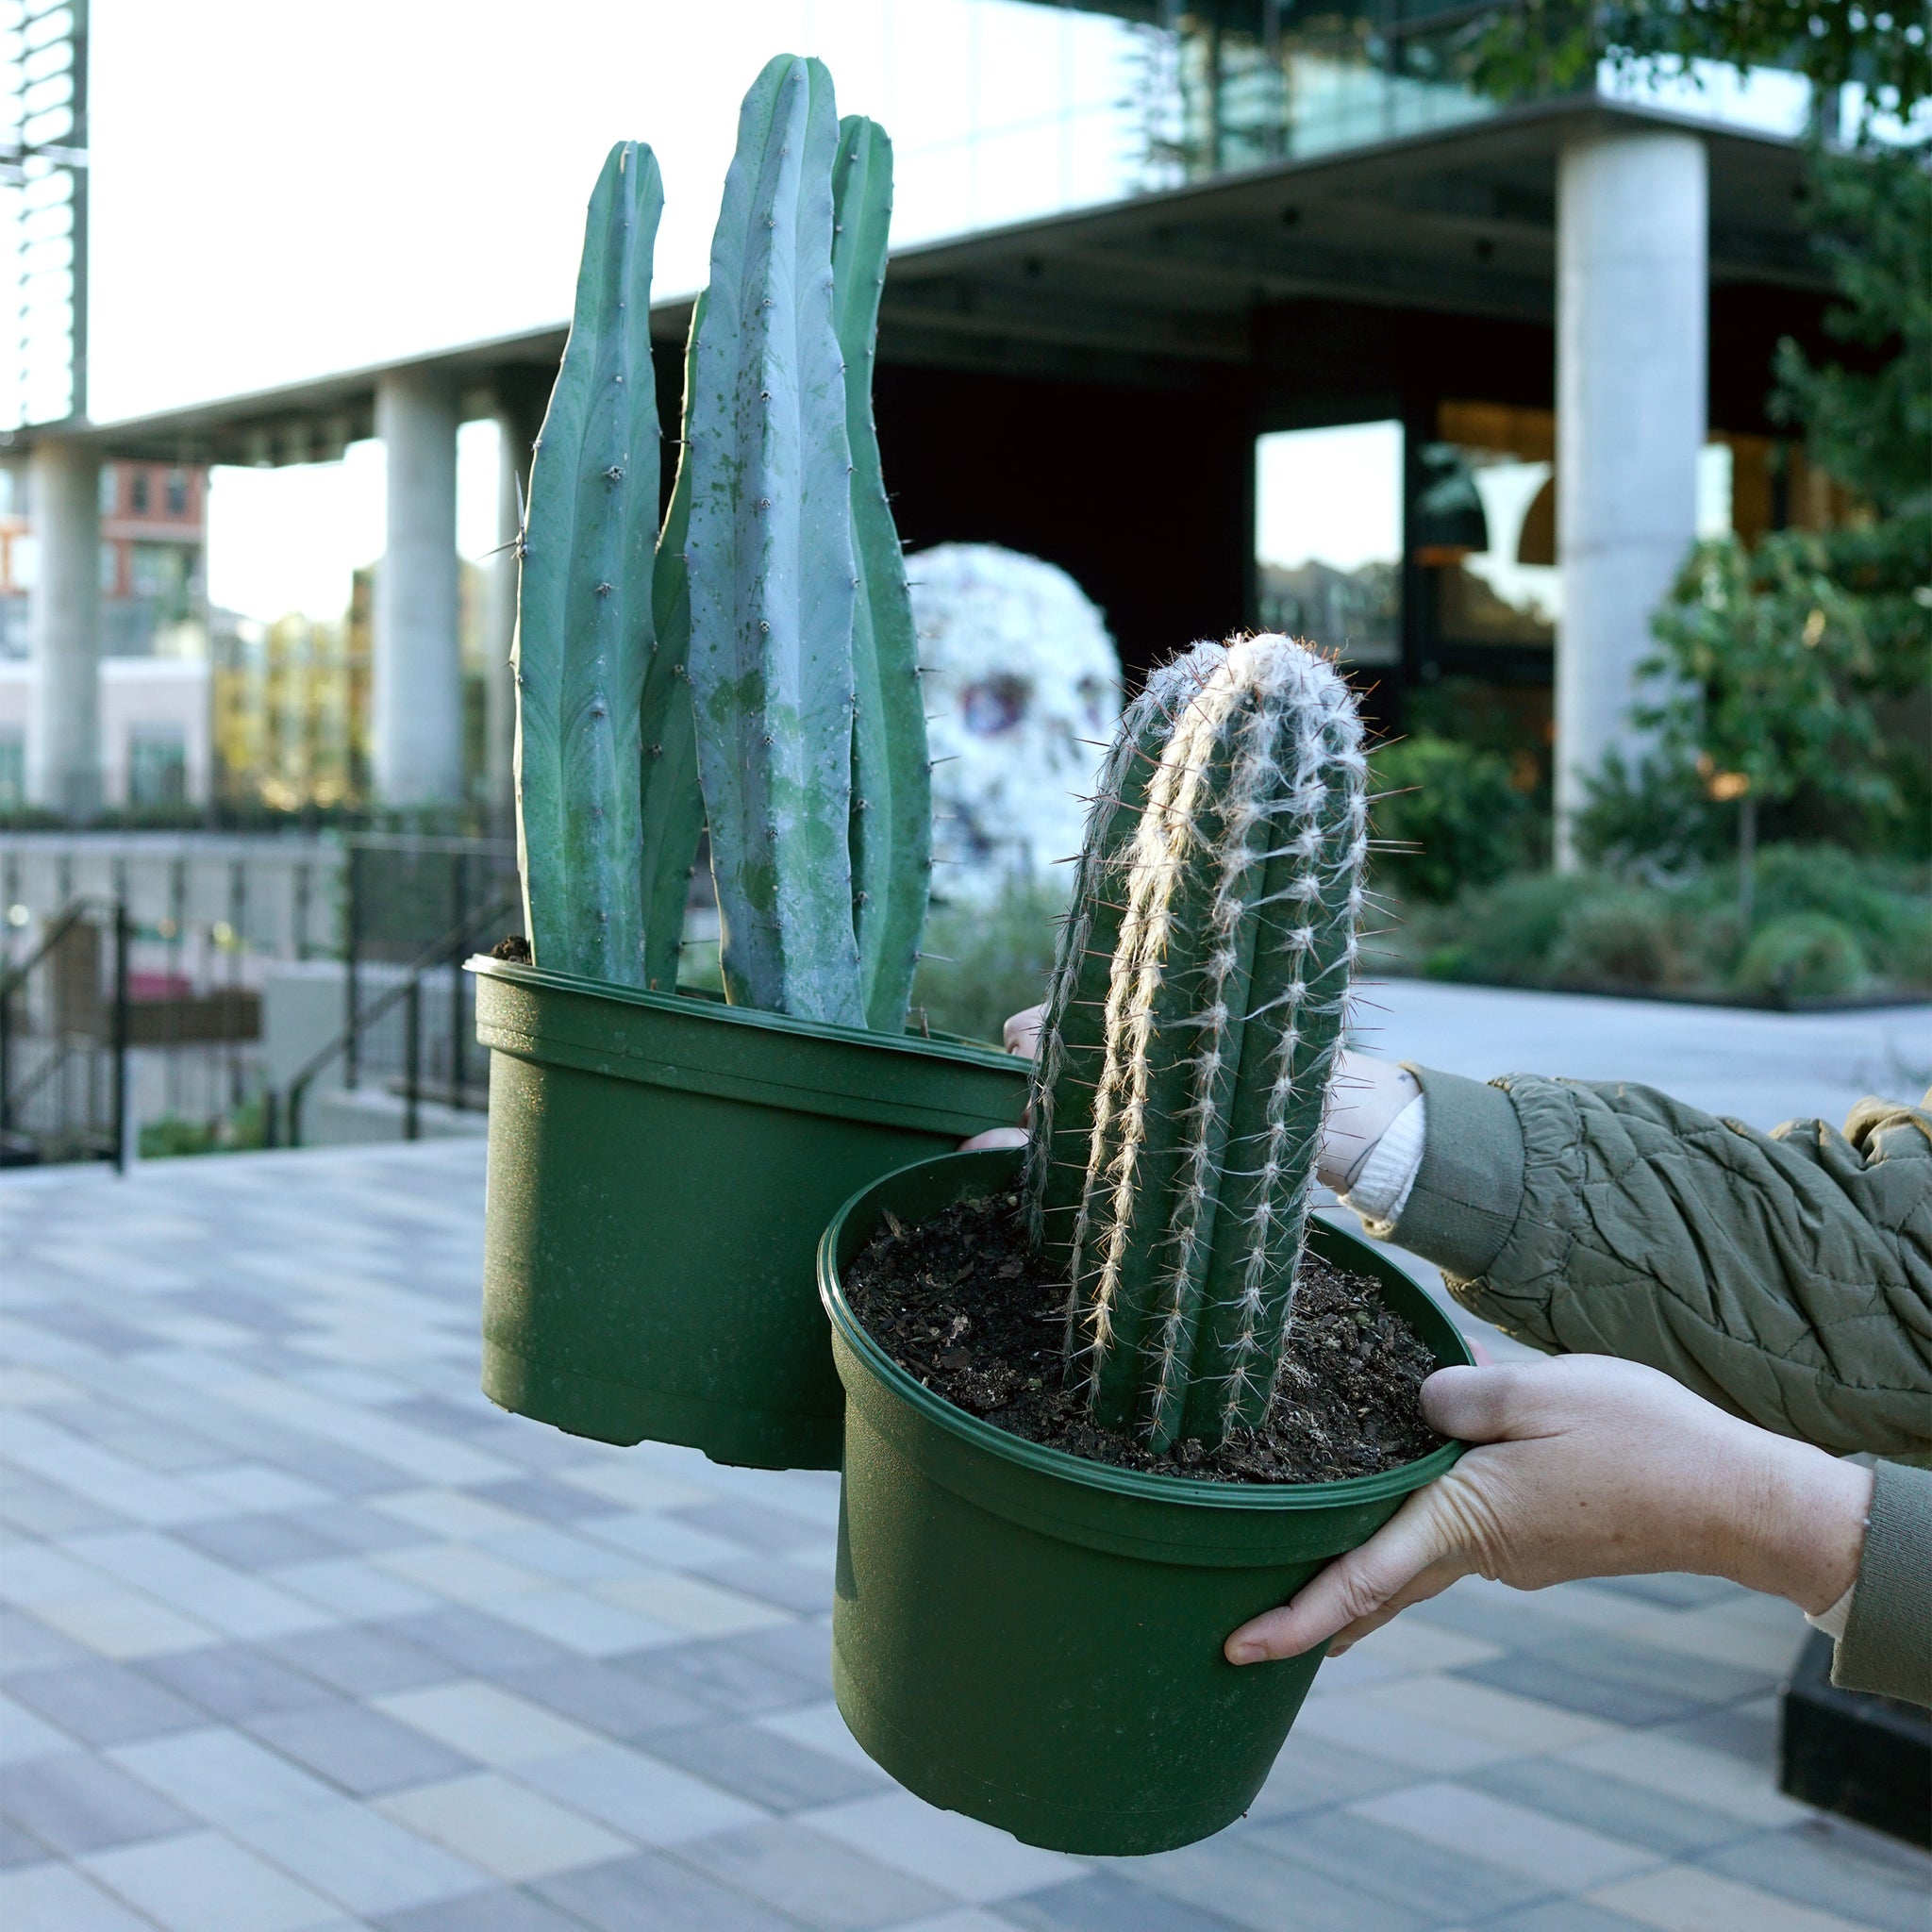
416	698
64	741
500	711
1632	301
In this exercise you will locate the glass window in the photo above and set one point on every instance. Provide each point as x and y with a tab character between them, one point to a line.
13	770
110	488
1484	524
1328	538
138	492
157	766
177	492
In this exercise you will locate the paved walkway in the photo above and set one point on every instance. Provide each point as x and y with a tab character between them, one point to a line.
297	1632
1757	1067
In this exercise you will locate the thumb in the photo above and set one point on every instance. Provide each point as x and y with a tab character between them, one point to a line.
1417	1535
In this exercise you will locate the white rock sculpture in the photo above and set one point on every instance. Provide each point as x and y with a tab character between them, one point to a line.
1023	689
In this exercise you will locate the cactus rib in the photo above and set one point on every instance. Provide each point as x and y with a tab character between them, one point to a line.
892	803
770	561
584	621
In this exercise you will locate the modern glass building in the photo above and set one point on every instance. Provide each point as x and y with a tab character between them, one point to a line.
1244	311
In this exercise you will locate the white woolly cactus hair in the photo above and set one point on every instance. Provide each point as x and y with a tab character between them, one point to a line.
1224	1003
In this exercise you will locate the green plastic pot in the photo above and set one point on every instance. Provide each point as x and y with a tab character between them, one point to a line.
1035	1640
660	1169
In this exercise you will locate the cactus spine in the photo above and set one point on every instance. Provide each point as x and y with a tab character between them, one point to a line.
891	794
585	636
1223	1002
769	556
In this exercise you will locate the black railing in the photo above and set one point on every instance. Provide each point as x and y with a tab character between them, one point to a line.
282	1112
63	1042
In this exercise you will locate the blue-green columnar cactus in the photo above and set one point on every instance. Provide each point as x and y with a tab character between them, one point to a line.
891	792
1221	910
764	642
773	580
585	634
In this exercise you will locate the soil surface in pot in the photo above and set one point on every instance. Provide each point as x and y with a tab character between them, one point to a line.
960	1303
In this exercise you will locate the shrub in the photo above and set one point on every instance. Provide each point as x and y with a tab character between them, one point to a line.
1620	937
983	962
1805	955
1501	936
1453	803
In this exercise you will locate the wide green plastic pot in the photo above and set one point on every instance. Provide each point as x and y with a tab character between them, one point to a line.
660	1169
1035	1640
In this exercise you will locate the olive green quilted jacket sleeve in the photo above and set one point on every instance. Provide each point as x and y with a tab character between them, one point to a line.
1787	1277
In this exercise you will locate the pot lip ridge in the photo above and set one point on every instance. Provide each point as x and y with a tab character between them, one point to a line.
690	1005
1058	1463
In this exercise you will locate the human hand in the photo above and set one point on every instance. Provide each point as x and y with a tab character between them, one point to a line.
1588	1467
1022	1037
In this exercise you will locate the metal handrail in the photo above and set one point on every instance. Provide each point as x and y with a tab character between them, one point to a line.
14	976
408	992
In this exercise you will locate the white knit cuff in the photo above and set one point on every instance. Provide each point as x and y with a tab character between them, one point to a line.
1833	1621
1380	1188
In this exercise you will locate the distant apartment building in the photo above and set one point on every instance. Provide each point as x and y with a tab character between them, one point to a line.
155	701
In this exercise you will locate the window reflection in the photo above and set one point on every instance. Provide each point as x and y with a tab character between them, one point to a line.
1484	524
1328	538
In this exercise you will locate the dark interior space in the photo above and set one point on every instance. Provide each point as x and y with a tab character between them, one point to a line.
1142	495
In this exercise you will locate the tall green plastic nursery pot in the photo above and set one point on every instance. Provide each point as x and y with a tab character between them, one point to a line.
660	1169
1035	1640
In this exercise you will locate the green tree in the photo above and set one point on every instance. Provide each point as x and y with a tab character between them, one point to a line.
1549	46
1761	653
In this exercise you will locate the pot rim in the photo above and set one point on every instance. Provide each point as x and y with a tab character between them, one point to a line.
1058	1463
696	1005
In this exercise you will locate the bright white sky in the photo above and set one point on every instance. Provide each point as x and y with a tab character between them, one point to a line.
1335	495
285	188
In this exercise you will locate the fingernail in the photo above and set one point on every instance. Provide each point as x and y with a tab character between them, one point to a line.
1246	1652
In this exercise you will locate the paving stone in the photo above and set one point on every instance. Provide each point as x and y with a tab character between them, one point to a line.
1570	1856
1386	1862
1312	1773
1839	1868
255	1543
353	1526
57	1898
503	1827
1563	1915
206	1883
1679	1591
764	1766
363	1861
614	1702
957	1854
725	1675
745	1523
1683	1898
361	1660
478	1642
1108	1902
1533	1674
1747	1732
359	1749
812	1877
486	1723
236	1681
1614	1805
222	1776
787	1585
543	1499
648	1801
653	1893
1240	1881
1628	1683
18	1847
502	1908
77	1804
28	1644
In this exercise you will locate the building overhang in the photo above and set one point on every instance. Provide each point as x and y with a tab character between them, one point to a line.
1159	288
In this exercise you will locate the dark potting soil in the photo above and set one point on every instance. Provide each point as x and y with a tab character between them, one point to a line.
959	1302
